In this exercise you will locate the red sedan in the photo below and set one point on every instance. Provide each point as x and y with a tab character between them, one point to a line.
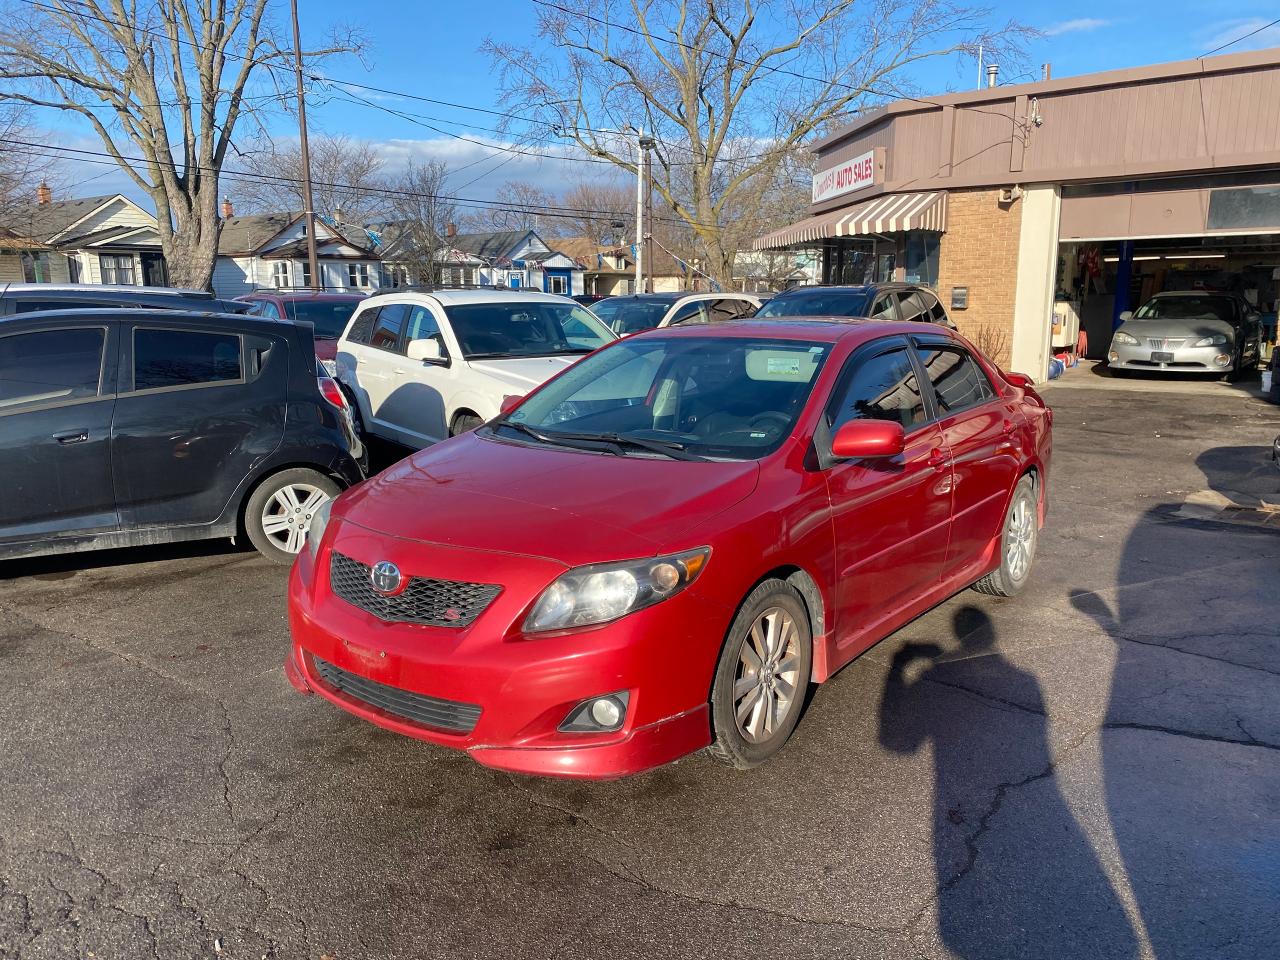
659	549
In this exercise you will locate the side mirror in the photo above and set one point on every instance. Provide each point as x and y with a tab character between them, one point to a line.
1020	380
864	439
509	403
426	351
1126	315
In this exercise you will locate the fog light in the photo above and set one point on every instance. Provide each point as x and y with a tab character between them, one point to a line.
1113	357
1223	359
598	715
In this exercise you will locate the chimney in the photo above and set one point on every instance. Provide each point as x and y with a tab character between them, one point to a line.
228	211
43	193
992	70
450	230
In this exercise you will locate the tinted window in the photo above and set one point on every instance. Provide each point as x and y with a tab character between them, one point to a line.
722	310
695	312
329	317
268	309
625	315
388	327
49	366
883	387
884	308
913	307
30	306
958	381
182	358
533	329
362	329
817	303
937	314
715	397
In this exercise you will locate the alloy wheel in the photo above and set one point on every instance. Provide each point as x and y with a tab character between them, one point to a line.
767	680
286	517
1020	541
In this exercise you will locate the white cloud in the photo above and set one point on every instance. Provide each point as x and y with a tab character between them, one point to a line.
1266	35
1079	25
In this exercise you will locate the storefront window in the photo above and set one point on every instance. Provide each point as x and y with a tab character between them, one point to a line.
855	262
922	257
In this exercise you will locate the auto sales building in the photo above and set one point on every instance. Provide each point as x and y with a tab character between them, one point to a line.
1042	210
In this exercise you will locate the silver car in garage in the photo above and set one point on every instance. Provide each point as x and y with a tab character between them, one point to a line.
1189	332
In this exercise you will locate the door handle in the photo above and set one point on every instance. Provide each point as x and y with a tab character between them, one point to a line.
72	436
938	460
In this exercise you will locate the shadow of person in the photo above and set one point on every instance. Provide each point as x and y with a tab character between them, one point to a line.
1016	875
1191	731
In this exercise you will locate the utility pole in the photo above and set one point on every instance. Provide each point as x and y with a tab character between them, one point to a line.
648	216
309	215
643	145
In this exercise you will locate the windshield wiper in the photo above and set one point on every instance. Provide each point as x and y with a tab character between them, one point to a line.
613	442
668	448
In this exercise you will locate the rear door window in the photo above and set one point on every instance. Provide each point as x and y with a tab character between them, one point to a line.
362	327
389	327
882	387
695	312
885	308
50	366
912	306
184	358
958	381
719	311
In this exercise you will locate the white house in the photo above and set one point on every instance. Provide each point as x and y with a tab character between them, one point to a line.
270	250
104	239
519	258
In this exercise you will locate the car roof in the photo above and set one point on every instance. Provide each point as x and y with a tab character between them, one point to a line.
291	295
669	297
73	315
817	329
97	289
451	298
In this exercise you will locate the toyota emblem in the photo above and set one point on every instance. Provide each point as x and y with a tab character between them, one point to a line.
385	578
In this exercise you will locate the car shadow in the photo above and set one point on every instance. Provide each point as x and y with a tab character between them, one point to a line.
1017	876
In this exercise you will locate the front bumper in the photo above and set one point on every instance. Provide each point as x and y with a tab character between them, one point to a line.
1182	359
524	688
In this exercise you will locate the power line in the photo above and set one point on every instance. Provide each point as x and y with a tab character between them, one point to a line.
1232	43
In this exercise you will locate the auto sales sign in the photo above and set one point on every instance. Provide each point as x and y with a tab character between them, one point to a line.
849	176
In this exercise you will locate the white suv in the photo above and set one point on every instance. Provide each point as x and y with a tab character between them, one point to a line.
425	366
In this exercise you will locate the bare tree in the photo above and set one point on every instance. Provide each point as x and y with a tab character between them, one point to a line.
603	211
729	90
347	175
520	206
420	219
22	169
164	84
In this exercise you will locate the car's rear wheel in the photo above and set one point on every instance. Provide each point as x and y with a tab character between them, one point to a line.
279	512
464	422
1017	544
763	675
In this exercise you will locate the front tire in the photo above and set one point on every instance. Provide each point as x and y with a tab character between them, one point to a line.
1017	544
464	422
763	676
279	512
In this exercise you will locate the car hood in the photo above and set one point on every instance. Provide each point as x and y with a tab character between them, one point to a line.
1189	329
524	373
562	505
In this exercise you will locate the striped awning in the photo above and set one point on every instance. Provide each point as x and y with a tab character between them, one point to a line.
892	213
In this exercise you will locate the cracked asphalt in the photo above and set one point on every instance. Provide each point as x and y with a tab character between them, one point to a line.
1090	770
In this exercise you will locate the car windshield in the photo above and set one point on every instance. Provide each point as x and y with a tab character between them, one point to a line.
684	397
817	303
1186	308
492	331
329	317
628	315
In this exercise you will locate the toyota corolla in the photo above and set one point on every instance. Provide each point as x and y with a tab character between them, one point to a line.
661	548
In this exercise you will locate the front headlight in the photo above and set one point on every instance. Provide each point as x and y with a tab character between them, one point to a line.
1122	337
315	532
1216	340
602	592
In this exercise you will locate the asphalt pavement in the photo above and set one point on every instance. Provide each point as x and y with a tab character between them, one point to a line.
1091	770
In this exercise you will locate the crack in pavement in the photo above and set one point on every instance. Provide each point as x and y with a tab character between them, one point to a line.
1192	734
1128	638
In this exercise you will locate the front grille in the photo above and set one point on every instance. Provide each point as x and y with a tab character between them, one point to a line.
434	603
428	711
1166	344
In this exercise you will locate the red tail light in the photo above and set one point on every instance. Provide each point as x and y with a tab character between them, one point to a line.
330	390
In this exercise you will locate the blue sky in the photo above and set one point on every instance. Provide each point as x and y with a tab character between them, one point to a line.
432	48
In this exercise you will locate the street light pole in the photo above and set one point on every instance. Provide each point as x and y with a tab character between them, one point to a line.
640	211
309	215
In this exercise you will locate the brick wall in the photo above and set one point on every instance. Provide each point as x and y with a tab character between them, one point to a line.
980	251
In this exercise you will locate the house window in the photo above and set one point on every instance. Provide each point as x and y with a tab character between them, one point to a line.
280	273
557	284
305	269
358	274
117	268
35	267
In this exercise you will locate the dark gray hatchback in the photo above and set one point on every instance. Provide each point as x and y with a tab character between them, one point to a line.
128	427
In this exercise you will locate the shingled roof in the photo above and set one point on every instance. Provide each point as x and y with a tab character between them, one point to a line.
44	221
